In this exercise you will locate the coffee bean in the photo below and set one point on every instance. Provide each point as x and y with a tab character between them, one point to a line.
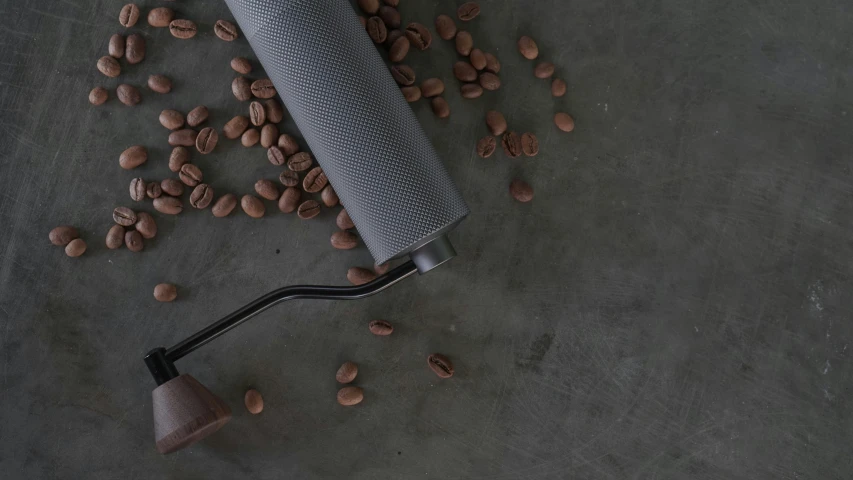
347	372
137	189
521	191
360	276
370	7
145	225
344	222
403	74
224	205
308	209
201	196
468	11
289	178
490	81
329	196
440	107
288	144
486	147
528	48
254	401
160	17
344	240
160	83
171	119
128	95
241	65
299	162
432	87
257	114
440	365
266	189
477	59
98	96
382	269
445	26
165	292
128	15
411	94
558	87
496	122
530	144
116	47
253	206
380	328
153	190
390	16
269	135
190	175
206	140
182	29
184	138
377	30
250	137
115	237
511	144
178	157
62	235
172	186
133	157
241	88
464	72
263	88
135	49
235	127
124	216
225	30
349	396
419	36
492	63
275	113
75	248
564	122
289	200
168	205
471	90
464	43
109	66
544	70
276	156
393	36
399	49
315	180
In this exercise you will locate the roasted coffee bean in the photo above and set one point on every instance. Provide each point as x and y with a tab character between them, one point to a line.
201	196
241	65
360	276
393	36
308	210
370	7
273	110
464	72
257	115
490	81
289	178
116	47
206	140
418	36
133	157
109	66
347	372
124	216
172	186
137	189
197	116
377	30
390	16
224	205
75	248
544	70
403	74
178	157
128	94
344	240
263	88
250	137
115	237
382	269
299	162
289	200
254	401
62	235
464	43
253	206
477	59
529	144
528	48
276	156
185	137
558	87
471	90
128	15
411	94
288	144
492	63
521	191
468	11
440	365
486	147
160	17
266	189
133	240
182	29
165	292
160	83
496	122
349	396
168	205
440	107
235	127
98	96
269	135
171	119
511	144
190	175
399	49
315	180
153	190
134	50
329	196
344	222
445	26
241	88
145	225
432	87
380	328
564	122
225	30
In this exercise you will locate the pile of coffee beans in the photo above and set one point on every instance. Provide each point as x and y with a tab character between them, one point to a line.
478	73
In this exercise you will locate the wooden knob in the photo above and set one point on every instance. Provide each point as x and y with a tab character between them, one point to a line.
185	412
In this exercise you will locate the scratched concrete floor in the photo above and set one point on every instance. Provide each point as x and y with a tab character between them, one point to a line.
675	303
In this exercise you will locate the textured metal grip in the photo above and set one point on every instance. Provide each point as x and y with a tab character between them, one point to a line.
355	119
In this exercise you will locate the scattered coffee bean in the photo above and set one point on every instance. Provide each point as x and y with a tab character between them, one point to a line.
399	49
464	43
530	144
128	94
160	83
496	122
115	237
558	87
382	269
253	206
521	191
288	144
360	276
344	222
528	48
347	372
62	235
206	140
464	72
153	190
492	63
160	17
276	156
471	90
134	49
370	7
315	180
172	186
109	66
257	114
440	107
98	96
393	36
289	200
116	47
544	70
75	248
133	157
440	365
468	11
168	205
486	147
511	144
224	205
419	36
411	94
145	225
241	65
201	196
344	240
178	157
299	162
263	88
329	196
377	30
235	127
477	59
564	122
308	210
184	138
445	26
432	87
124	216
269	135
380	328
190	175
165	292
266	189
289	178
171	119
128	15
250	137
254	401
273	110
241	88
403	74
349	396
225	30
137	189
197	116
490	81
182	29
390	16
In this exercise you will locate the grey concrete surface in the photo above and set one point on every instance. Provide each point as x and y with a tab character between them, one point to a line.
675	303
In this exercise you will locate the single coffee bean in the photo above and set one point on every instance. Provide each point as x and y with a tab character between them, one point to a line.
380	328
521	191
393	36
171	119
486	147
377	30
206	140
403	74
564	122
137	189
492	63
115	237
128	94
344	222
464	72
178	157
160	83
349	396
511	144
274	111
370	7
289	178
133	157
558	87
254	401
241	88
184	138
128	15
390	16
299	162
133	240
197	116
468	11
432	87
165	292
440	107
235	127
109	66
224	205
145	225
201	196
263	88
168	205
276	156
544	70
445	26
266	189
529	144
471	90
269	135
411	94
329	196
344	240
289	200
360	276
382	269
75	248
496	122
440	365
124	216
347	372
172	186
257	115
528	48
225	30
182	29
399	49
241	65
490	81
288	144
250	137
160	17
315	180
135	49
153	190
464	43
419	36
190	175
392	3
308	210
253	206
116	47
62	235
98	96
